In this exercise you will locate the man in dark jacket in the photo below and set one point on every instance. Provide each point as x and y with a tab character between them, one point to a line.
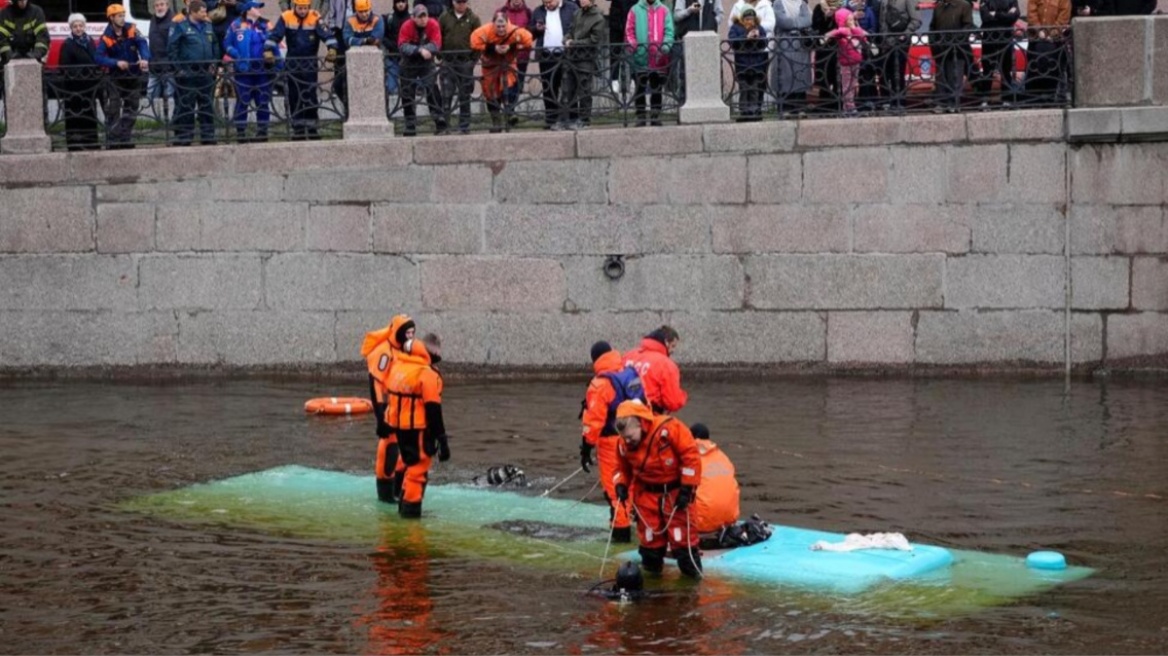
618	14
458	61
997	46
949	42
160	84
193	52
125	54
23	32
303	30
584	45
899	20
551	24
400	15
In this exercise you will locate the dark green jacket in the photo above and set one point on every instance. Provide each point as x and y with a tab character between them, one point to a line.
456	31
588	34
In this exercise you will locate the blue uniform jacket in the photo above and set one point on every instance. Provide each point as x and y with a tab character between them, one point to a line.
130	47
303	37
245	43
356	32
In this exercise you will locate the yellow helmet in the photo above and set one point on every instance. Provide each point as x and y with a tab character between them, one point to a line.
302	3
363	5
113	10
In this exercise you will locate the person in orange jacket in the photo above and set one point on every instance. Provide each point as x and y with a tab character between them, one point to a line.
415	415
660	468
501	44
613	384
658	372
379	350
716	505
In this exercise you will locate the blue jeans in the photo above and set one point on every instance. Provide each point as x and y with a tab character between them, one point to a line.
392	73
158	86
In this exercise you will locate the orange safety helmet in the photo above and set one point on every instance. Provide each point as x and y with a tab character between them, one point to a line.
113	10
302	3
363	5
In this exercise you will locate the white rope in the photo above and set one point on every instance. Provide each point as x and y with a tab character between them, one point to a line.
570	477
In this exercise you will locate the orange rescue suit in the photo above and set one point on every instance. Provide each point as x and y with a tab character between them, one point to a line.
597	405
415	415
666	459
500	71
716	504
379	350
659	374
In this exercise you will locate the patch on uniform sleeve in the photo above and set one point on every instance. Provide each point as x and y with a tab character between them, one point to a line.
383	363
687	471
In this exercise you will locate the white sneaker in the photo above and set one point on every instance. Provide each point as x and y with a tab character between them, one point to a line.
616	87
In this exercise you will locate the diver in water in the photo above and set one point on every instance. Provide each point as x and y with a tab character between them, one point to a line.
502	475
629	585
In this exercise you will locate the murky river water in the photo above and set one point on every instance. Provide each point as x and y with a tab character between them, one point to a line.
1004	466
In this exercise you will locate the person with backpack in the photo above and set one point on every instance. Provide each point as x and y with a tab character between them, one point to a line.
612	385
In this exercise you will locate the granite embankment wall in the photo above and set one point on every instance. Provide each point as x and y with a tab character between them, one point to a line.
939	240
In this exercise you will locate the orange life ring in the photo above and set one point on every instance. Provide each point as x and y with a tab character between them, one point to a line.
338	405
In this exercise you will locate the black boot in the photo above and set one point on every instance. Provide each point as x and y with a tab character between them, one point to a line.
622	535
410	510
399	479
652	560
689	561
385	491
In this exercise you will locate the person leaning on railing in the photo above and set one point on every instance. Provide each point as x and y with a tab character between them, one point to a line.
500	44
23	32
77	87
419	42
519	15
194	53
125	54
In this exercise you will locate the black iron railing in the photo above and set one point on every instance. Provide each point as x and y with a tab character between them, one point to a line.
565	88
800	74
90	108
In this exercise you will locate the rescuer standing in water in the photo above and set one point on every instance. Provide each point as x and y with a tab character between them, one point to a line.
415	416
379	349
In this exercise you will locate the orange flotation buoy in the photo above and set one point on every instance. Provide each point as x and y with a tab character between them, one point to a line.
338	405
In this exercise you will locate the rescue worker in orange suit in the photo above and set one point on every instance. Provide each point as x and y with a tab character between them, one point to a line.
659	374
415	415
613	384
660	468
716	505
379	350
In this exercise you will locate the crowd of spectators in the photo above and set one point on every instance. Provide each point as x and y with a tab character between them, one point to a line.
849	55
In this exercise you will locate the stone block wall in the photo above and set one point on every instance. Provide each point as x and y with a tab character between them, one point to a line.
949	241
